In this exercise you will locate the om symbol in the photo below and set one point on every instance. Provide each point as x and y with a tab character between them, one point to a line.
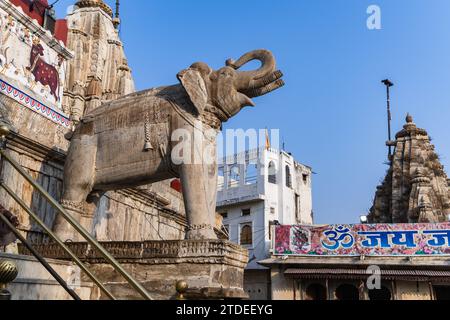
339	237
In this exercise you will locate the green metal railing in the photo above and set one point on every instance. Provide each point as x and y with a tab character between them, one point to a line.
4	132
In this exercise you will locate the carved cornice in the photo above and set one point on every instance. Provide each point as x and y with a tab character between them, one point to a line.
45	35
20	143
154	252
78	32
407	132
95	3
115	42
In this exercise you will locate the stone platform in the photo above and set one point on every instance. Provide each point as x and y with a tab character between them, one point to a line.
213	269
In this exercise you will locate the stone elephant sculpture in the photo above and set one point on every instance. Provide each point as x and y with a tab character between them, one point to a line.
129	142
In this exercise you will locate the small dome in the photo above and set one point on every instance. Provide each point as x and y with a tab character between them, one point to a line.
409	118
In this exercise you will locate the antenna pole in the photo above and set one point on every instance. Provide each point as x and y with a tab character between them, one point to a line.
388	85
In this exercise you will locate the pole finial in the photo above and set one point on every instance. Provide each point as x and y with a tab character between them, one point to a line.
116	20
388	83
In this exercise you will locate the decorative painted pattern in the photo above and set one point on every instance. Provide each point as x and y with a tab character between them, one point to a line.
363	240
33	104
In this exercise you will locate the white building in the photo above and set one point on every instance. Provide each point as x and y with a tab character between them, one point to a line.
256	189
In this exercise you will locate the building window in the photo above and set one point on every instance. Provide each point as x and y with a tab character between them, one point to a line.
272	210
234	178
305	178
221	179
246	212
251	174
246	237
297	206
288	177
272	173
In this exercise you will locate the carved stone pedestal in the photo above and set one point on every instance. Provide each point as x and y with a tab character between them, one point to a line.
213	269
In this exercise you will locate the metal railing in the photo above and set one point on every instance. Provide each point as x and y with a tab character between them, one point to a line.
4	132
39	257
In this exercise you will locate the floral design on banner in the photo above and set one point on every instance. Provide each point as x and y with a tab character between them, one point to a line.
33	104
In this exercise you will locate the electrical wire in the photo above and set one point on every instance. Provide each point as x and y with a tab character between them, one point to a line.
51	6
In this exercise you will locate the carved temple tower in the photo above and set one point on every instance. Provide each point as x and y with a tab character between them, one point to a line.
416	188
99	72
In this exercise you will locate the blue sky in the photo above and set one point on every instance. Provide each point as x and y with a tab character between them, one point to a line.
331	112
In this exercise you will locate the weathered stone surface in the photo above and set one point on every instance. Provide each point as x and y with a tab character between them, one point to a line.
416	186
212	269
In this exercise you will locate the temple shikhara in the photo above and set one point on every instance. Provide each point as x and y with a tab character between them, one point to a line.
416	188
94	206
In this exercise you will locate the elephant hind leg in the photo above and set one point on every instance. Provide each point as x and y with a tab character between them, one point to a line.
79	174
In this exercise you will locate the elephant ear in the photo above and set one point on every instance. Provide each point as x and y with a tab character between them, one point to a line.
195	87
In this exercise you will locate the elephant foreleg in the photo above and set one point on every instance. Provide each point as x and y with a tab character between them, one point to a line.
200	209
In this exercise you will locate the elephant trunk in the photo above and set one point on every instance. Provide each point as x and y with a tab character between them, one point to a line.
251	79
258	92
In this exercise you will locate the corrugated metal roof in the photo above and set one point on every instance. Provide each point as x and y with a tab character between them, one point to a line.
418	275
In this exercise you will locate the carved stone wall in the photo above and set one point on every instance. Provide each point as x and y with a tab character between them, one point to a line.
416	188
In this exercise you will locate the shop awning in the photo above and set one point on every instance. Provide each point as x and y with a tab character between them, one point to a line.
390	274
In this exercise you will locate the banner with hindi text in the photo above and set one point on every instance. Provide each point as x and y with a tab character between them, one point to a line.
363	239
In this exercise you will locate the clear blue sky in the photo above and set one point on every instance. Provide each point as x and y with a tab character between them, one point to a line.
332	111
